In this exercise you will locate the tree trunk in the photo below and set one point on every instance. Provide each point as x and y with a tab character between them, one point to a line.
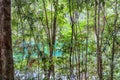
72	35
113	43
87	39
98	32
6	59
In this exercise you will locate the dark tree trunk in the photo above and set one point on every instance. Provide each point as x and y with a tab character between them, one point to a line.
0	63
72	34
6	59
99	53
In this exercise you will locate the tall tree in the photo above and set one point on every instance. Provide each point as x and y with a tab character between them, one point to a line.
51	34
113	41
6	59
72	35
87	39
98	31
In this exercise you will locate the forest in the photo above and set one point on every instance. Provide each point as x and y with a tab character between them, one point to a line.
59	39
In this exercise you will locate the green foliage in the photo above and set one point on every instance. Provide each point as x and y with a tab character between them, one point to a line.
30	36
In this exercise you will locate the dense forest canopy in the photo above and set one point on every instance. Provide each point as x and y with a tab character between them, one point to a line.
85	34
65	39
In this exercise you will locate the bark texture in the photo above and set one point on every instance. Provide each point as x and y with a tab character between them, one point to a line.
98	31
6	59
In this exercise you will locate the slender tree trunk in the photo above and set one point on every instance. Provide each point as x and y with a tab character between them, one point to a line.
72	34
97	32
87	28
79	64
6	59
47	77
51	37
113	42
99	45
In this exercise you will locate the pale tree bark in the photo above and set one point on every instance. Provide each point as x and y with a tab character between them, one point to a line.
6	59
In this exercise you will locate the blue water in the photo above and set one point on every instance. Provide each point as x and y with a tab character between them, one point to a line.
57	52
